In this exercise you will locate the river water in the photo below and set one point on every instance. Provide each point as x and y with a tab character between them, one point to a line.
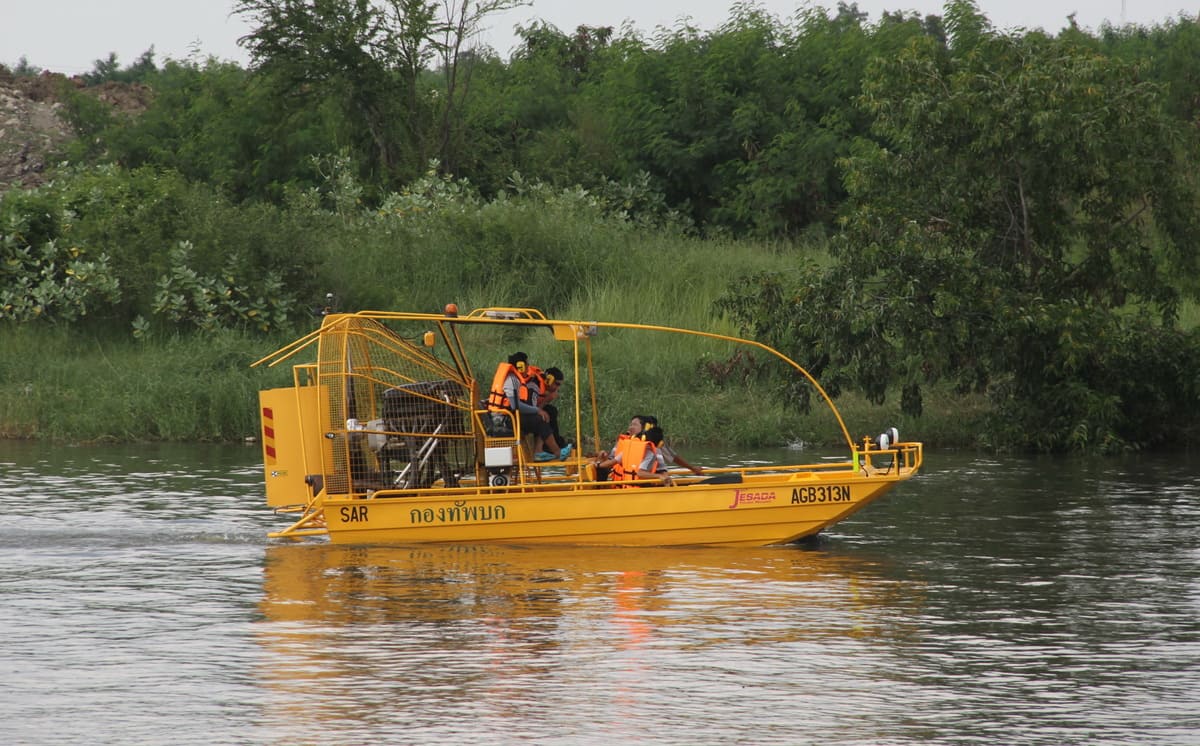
991	600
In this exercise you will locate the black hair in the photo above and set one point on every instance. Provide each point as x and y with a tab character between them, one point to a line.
654	435
558	374
648	420
516	357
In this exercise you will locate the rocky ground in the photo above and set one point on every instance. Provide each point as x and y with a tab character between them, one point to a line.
32	127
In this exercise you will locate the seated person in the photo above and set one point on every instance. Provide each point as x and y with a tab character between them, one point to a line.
514	390
667	455
652	465
605	460
548	383
634	456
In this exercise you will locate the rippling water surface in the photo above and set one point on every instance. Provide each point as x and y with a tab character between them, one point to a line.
990	601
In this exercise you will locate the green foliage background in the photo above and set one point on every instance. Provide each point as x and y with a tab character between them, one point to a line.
987	238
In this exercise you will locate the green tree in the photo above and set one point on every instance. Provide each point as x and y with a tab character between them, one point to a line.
219	124
531	115
803	121
743	127
1170	51
341	50
692	106
109	70
1017	228
374	57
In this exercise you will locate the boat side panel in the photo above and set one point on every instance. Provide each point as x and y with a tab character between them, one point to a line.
287	455
754	513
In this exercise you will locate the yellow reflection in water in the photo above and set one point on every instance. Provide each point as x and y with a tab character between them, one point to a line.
429	627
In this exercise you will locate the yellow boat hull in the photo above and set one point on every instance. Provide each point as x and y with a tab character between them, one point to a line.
762	510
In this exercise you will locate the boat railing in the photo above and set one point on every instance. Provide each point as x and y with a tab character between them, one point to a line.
901	458
532	478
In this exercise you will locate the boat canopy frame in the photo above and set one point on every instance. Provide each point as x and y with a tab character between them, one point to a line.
574	331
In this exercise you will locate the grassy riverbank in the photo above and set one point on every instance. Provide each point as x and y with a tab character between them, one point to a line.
182	381
62	386
58	385
69	377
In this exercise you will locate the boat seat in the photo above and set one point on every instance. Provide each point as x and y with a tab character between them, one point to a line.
497	427
495	424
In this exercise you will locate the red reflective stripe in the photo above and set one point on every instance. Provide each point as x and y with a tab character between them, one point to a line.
269	433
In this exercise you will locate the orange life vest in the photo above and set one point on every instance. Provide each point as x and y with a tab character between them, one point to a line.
632	451
497	400
537	378
617	471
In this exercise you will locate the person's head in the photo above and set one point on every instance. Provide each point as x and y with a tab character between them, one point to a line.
654	434
554	378
635	426
640	423
519	360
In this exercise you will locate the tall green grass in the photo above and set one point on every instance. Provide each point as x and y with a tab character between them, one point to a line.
60	386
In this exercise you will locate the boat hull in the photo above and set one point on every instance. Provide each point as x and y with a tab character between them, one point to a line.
760	511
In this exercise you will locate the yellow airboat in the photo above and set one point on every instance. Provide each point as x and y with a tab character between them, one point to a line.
387	438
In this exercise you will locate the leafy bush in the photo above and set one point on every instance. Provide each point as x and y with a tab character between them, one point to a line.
42	276
187	298
105	243
50	283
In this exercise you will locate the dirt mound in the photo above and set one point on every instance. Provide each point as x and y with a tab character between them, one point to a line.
32	126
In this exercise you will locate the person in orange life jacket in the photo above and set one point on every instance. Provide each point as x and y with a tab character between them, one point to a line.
639	459
513	389
666	454
605	460
654	434
548	383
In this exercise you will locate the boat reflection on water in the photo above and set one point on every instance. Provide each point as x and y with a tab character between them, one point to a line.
435	627
448	584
